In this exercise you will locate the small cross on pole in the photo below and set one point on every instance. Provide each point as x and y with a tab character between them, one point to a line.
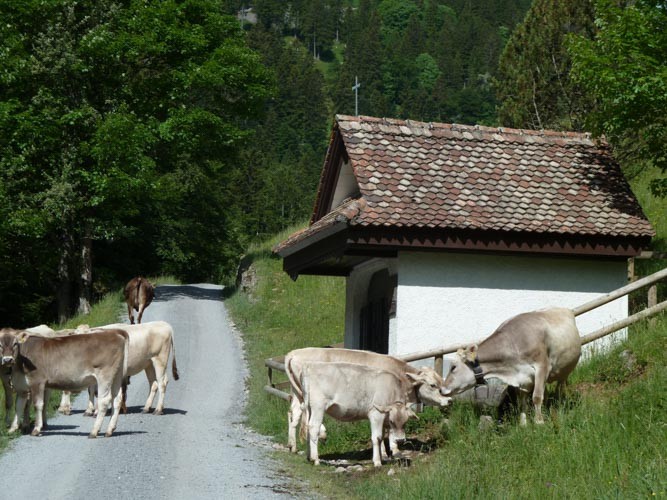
356	96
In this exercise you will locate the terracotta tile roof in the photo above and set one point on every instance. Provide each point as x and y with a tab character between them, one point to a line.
414	174
441	177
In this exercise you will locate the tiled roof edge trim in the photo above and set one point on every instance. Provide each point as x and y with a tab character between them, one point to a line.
471	132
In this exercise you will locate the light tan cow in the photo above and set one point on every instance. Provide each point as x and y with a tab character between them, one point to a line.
422	385
138	293
150	346
350	392
69	363
526	351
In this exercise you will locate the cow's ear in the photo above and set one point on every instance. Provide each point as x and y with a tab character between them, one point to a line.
414	378
412	414
471	353
22	336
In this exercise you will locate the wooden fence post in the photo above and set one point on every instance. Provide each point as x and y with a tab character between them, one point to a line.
652	300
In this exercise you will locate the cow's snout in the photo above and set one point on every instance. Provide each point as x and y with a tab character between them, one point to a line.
445	392
7	360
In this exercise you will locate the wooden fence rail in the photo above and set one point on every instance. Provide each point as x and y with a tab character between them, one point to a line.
438	354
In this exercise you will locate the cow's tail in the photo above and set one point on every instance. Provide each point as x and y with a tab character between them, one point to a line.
294	383
174	368
297	389
127	354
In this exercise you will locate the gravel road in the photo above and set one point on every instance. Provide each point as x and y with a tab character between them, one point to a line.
196	450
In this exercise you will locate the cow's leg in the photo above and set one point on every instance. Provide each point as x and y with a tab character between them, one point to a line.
162	380
522	397
315	417
47	397
377	424
153	387
21	409
65	406
293	418
538	392
104	400
116	389
123	402
37	395
90	408
9	395
130	313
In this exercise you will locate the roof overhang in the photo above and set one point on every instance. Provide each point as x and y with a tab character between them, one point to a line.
344	247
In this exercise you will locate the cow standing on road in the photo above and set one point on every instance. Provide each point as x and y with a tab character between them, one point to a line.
526	352
69	363
139	293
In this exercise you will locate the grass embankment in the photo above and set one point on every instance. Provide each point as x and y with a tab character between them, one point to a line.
608	438
111	309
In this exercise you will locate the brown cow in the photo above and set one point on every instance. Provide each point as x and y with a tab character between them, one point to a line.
526	351
139	293
70	363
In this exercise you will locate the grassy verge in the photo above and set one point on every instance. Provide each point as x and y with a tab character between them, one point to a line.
109	310
606	439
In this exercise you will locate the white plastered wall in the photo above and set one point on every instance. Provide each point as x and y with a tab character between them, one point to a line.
446	298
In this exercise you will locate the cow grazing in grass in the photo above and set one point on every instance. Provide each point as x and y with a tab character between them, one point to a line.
421	385
350	392
526	352
139	293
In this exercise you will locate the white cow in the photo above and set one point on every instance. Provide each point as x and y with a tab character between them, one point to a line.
422	385
149	349
350	392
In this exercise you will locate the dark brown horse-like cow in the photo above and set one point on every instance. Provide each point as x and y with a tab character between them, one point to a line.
526	351
139	294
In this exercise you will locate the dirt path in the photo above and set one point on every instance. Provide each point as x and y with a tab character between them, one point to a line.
197	450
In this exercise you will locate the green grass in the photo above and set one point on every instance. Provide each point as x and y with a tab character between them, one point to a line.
607	438
110	309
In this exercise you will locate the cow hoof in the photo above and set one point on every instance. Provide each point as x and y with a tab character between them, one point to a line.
35	433
92	435
146	410
158	412
108	434
377	464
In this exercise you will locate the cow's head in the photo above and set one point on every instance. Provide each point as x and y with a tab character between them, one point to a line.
461	374
396	416
428	384
8	347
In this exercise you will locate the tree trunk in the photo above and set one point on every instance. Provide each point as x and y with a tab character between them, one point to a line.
64	292
86	282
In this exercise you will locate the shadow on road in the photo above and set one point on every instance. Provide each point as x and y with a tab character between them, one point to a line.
66	430
167	292
131	410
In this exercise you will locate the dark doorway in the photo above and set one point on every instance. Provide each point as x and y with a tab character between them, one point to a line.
374	316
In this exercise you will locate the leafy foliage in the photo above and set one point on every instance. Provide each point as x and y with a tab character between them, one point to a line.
624	68
117	120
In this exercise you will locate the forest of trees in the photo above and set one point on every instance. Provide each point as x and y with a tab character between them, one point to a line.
160	137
